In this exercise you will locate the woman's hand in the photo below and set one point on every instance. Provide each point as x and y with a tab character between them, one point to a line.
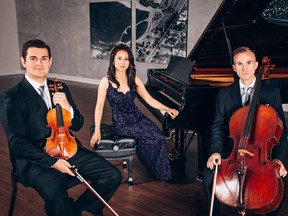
96	138
172	112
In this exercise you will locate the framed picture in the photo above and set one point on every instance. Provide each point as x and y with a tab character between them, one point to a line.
161	30
160	26
110	24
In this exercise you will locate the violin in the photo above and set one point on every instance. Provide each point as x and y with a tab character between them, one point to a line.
60	144
248	180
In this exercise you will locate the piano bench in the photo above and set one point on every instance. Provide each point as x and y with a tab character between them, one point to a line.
116	147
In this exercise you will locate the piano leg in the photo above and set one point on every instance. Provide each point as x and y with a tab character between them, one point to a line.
203	151
203	146
179	142
177	158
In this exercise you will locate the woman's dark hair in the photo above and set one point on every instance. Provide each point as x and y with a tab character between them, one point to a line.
34	43
131	70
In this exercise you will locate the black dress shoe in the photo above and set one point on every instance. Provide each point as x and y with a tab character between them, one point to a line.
99	214
171	181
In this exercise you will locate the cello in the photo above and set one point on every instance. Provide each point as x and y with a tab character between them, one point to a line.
248	180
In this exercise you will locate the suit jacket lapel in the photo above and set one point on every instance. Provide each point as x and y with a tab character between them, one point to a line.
32	93
236	96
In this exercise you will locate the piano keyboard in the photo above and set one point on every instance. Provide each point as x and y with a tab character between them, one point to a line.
170	98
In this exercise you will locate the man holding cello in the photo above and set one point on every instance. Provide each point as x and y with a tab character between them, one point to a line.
229	100
23	114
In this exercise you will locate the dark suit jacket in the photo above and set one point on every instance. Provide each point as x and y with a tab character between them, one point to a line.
228	101
23	115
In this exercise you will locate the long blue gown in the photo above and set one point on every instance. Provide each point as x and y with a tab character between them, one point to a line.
129	121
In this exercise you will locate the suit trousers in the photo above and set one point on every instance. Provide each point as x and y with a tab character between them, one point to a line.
52	185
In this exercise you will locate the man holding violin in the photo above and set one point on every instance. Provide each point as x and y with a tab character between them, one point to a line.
228	101
23	116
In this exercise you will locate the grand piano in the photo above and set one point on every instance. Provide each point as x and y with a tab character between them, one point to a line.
191	84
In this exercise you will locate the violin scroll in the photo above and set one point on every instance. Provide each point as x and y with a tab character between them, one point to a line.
55	86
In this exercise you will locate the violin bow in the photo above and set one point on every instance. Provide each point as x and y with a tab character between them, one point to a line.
213	190
74	170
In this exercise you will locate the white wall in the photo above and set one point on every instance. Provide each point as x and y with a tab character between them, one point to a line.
200	14
65	27
9	46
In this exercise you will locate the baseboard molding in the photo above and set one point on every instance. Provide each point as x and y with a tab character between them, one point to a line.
85	80
14	72
60	77
75	79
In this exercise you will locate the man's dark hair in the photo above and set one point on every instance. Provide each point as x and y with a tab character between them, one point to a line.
34	43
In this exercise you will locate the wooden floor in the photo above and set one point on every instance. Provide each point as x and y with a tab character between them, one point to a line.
145	197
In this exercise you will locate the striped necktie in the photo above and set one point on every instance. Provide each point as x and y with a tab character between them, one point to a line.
246	96
43	95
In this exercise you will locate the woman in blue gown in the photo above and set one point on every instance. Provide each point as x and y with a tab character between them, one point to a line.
120	87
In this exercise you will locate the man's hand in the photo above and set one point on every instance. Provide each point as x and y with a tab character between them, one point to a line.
63	166
282	170
213	160
60	98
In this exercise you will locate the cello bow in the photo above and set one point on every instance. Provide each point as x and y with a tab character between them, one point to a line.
213	190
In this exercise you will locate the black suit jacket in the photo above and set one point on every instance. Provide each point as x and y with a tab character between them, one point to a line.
228	101
23	115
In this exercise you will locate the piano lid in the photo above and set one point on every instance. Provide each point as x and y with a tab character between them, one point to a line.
259	24
179	68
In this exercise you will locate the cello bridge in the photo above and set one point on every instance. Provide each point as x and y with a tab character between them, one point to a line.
242	152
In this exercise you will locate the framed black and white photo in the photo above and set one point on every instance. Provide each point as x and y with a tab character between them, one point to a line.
110	24
160	28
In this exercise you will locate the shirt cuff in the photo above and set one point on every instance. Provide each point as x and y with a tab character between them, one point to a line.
71	112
